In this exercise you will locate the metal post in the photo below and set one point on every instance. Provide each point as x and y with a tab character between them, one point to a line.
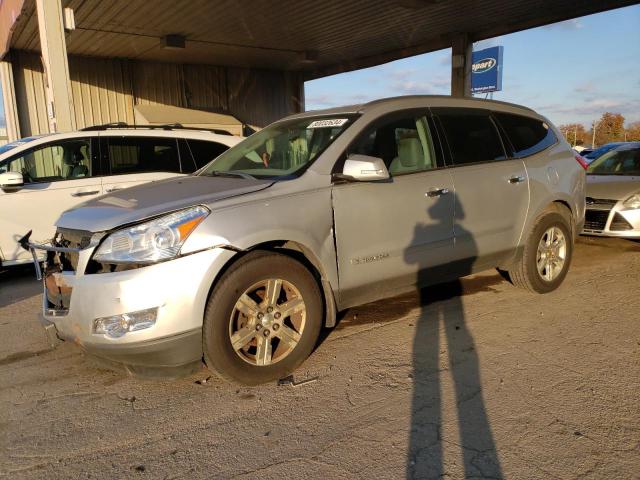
56	66
461	48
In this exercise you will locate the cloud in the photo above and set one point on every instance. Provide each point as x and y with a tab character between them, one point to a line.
445	60
573	24
586	87
413	82
321	101
593	107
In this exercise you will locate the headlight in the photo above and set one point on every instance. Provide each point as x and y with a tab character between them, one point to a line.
633	201
149	242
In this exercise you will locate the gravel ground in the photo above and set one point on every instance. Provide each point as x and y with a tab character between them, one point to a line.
471	379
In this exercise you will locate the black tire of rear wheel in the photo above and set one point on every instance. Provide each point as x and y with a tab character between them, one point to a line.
219	355
524	273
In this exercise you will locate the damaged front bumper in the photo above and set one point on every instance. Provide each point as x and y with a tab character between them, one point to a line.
177	288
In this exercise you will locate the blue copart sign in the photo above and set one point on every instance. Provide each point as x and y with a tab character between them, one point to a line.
486	70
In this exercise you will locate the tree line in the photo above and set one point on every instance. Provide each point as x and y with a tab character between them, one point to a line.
610	128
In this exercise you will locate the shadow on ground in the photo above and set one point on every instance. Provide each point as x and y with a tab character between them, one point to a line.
17	284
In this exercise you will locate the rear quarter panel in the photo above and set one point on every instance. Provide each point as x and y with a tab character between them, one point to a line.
555	175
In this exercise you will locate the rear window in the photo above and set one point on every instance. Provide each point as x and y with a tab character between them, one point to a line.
472	136
528	136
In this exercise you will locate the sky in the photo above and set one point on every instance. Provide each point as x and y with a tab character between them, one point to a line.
571	71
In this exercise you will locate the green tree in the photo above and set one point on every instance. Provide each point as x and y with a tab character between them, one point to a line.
575	134
610	128
633	132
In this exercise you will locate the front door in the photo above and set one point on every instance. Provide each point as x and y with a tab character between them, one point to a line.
57	176
388	232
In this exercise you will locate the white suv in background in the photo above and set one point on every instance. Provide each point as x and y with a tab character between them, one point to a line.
42	176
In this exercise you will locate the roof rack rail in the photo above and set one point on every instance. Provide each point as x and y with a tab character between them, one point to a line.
168	126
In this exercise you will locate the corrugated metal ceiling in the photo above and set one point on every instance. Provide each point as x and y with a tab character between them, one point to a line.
276	34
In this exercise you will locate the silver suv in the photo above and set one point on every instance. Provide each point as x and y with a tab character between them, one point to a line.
245	261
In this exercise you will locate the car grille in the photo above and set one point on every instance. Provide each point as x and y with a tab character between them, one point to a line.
600	203
595	220
619	223
597	213
57	291
71	239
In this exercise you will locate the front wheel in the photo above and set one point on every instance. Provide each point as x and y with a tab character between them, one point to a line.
262	319
544	261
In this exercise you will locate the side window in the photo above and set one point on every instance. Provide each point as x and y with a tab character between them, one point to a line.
142	154
472	136
405	145
527	135
203	152
63	160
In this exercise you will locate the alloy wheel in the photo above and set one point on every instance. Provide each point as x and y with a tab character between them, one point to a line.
267	322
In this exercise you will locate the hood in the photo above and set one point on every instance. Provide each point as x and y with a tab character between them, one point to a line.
614	187
150	199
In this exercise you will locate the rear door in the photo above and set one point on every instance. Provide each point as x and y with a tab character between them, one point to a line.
492	187
57	176
132	160
393	234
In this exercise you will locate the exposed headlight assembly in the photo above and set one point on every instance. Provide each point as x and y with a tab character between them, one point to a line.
633	201
152	241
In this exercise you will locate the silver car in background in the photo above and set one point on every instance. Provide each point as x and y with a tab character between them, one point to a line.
243	263
613	193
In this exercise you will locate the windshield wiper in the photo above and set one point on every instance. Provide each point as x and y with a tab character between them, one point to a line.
231	173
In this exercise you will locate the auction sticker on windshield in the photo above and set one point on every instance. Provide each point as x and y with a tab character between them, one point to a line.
328	123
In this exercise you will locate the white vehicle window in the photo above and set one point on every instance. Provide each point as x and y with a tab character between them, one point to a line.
63	160
142	154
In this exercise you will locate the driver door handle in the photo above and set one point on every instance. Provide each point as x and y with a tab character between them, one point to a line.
437	192
84	194
516	179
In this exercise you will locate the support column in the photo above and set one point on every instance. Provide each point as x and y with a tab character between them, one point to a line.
461	49
56	66
9	98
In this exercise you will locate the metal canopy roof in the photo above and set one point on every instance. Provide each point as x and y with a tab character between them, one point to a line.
318	37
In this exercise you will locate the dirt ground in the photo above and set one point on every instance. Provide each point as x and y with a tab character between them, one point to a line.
478	379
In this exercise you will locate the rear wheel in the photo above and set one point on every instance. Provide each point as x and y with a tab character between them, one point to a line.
546	256
262	319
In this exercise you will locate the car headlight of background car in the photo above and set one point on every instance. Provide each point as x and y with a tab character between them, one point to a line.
151	241
633	201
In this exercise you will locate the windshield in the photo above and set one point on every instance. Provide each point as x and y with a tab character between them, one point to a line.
283	150
624	161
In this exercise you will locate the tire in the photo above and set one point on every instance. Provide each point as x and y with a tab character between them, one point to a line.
525	273
291	338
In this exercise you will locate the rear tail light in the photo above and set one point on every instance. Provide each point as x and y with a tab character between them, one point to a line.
583	163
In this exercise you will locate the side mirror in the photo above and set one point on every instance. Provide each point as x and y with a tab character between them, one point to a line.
364	168
11	181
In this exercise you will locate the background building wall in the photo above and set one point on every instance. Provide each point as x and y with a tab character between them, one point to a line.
105	90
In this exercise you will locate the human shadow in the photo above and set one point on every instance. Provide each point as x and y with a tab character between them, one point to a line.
442	309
